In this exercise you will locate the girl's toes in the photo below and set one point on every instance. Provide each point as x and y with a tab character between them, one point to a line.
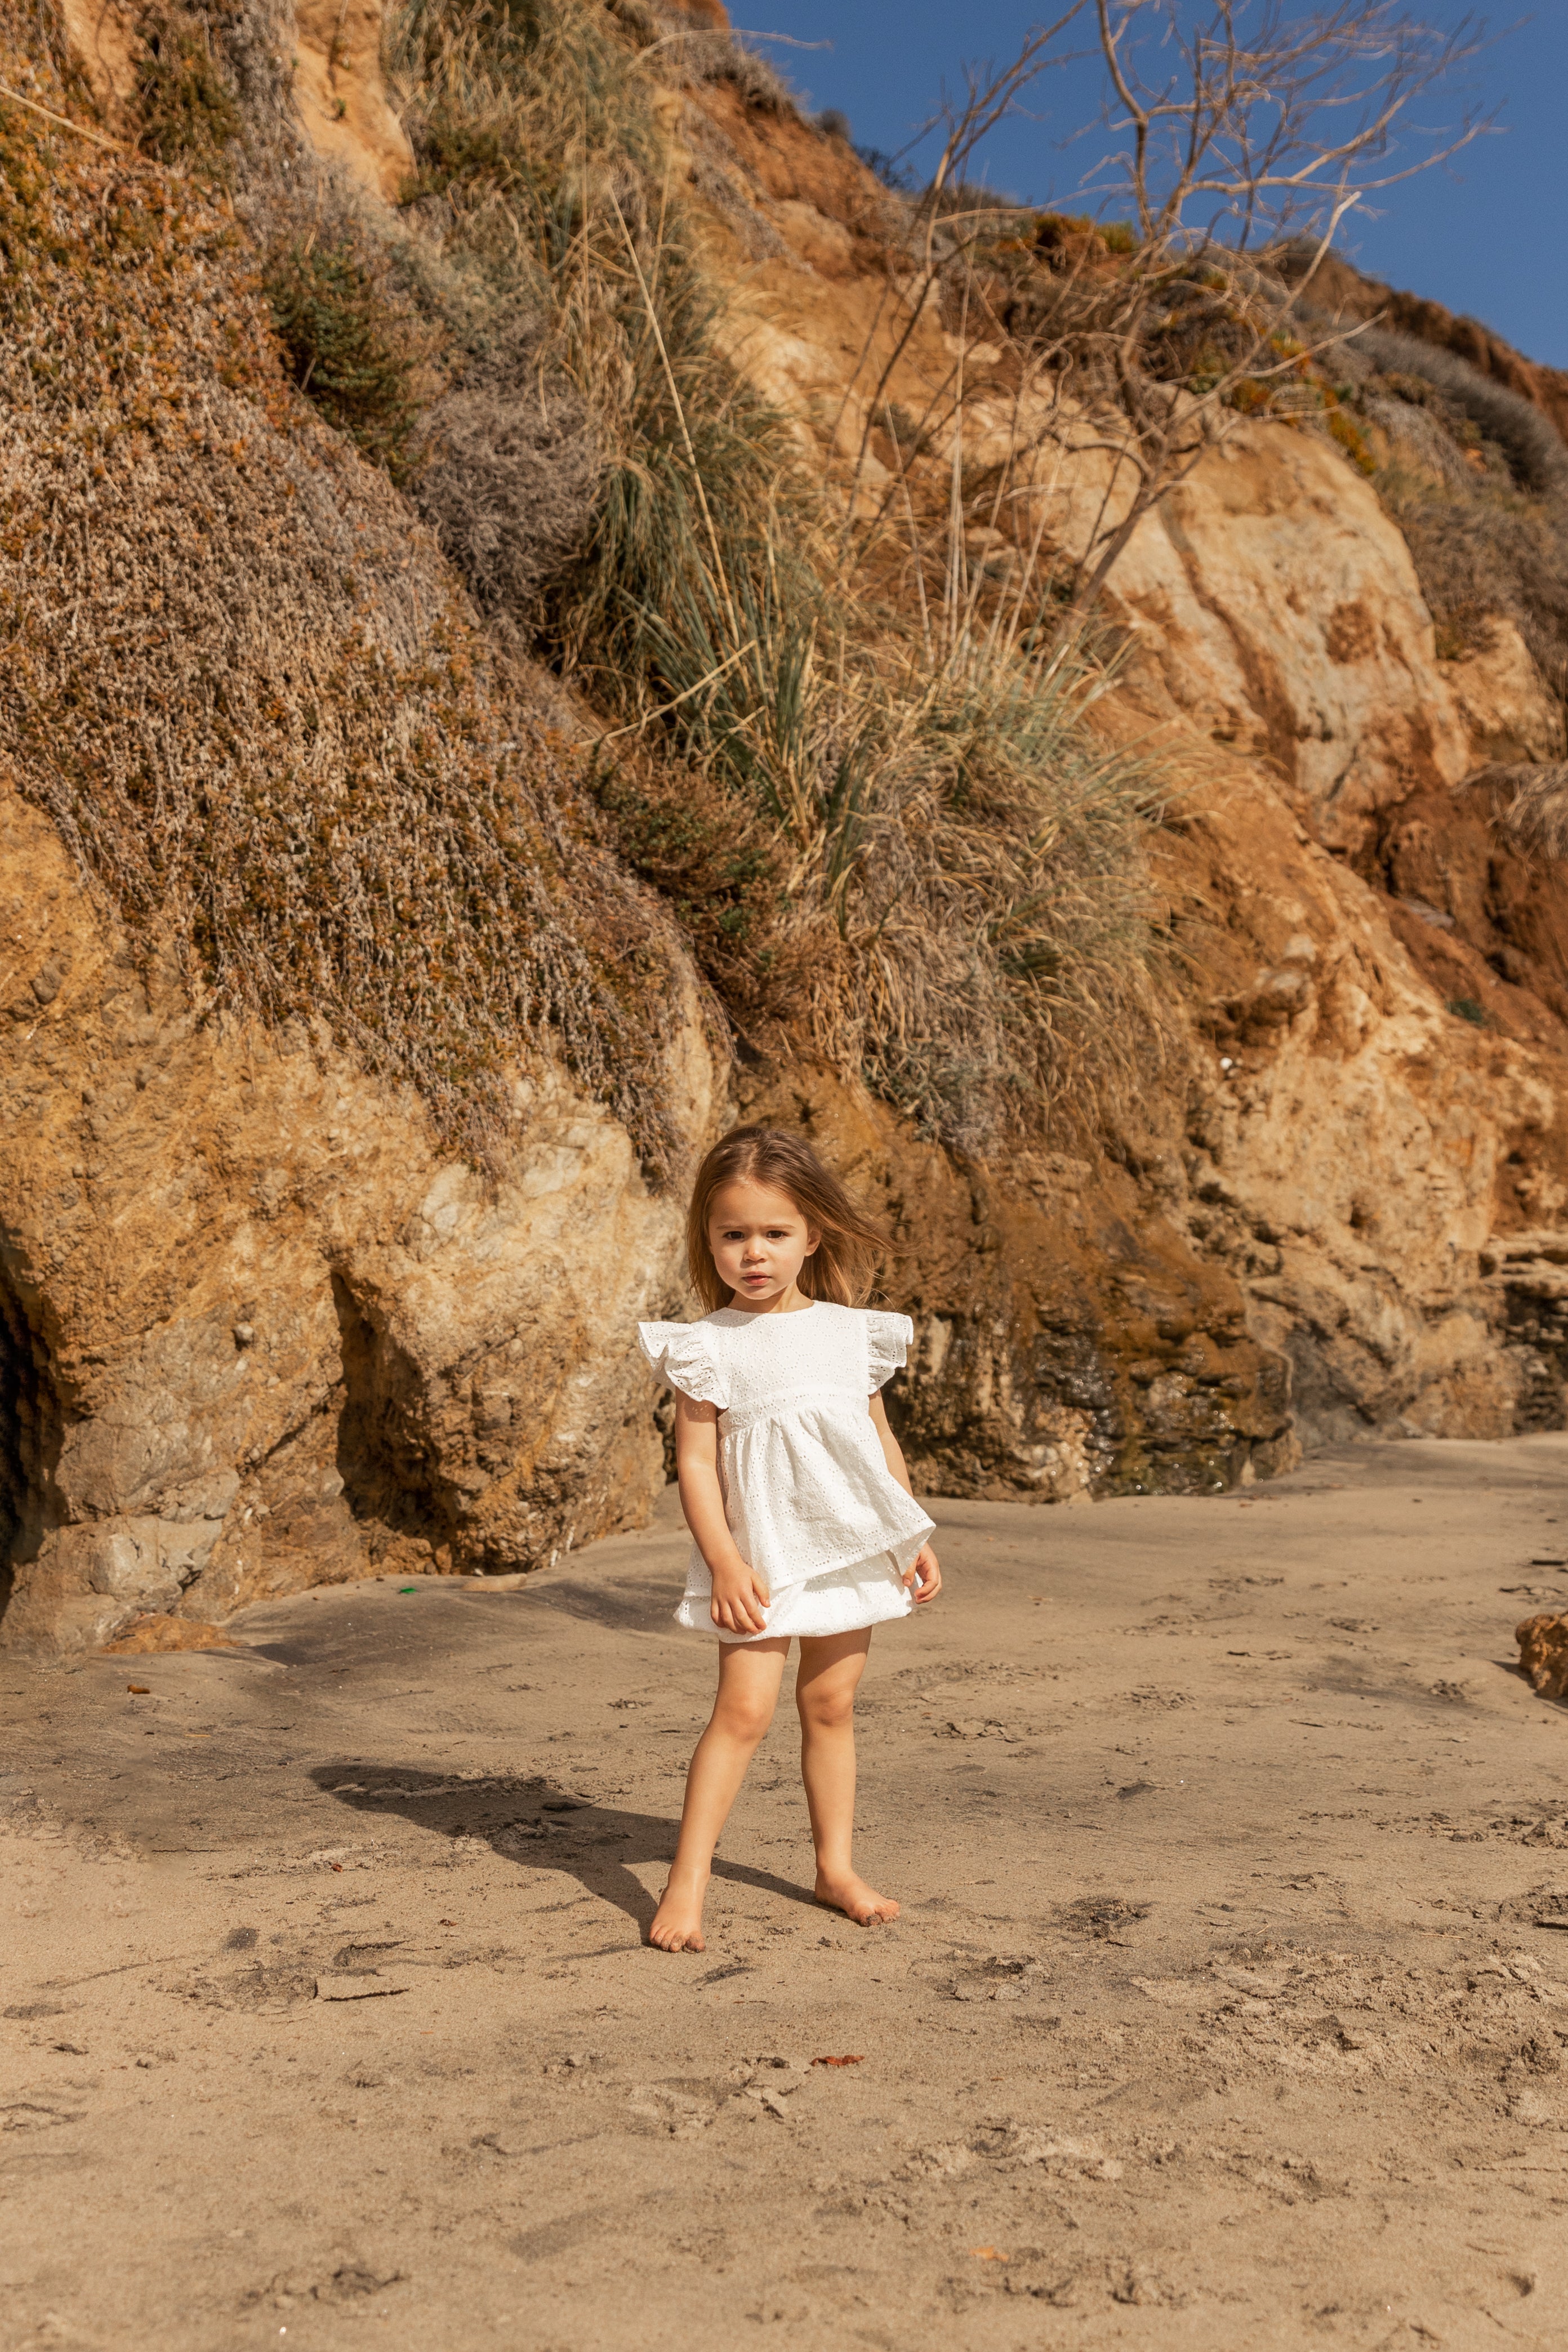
859	1902
677	1928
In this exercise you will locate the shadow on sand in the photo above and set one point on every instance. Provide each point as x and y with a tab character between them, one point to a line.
534	1822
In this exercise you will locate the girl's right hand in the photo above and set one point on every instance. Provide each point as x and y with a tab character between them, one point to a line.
922	1577
738	1600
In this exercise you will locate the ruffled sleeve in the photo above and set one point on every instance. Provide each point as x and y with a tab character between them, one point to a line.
682	1356
887	1340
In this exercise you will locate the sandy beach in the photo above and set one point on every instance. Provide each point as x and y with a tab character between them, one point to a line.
1226	2010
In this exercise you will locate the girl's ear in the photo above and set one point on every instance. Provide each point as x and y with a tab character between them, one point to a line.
813	1241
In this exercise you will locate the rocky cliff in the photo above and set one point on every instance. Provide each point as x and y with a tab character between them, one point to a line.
1362	1126
259	1332
272	1313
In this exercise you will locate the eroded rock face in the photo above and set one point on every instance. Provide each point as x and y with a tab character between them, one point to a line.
341	97
258	1333
1368	1100
1356	1151
1281	607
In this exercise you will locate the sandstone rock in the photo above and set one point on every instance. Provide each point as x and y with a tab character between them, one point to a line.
102	38
155	1634
341	94
1351	1153
1544	1653
1504	703
1279	606
1342	1144
824	245
436	1370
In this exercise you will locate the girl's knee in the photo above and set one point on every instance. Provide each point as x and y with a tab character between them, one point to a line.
743	1715
826	1710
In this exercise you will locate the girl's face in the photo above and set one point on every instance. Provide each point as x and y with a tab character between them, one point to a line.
760	1241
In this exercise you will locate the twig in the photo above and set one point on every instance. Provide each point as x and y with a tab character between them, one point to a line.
65	122
662	710
747	33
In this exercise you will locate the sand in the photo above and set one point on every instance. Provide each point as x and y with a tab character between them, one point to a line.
1221	2013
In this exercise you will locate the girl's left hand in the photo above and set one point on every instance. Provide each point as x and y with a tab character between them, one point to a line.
924	1575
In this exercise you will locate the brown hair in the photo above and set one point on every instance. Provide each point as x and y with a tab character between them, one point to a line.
844	1261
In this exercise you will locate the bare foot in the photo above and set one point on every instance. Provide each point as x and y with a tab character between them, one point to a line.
855	1899
677	1923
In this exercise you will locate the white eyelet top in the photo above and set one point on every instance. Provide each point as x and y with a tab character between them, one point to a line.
808	1491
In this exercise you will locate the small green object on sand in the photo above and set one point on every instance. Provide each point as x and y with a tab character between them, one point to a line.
408	1587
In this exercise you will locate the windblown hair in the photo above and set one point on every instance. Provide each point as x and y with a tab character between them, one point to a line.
841	1267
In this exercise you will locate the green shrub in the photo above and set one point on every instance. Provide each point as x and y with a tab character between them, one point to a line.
1353	441
353	345
1466	1008
185	109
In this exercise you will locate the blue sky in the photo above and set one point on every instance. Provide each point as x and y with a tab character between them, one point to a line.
1487	235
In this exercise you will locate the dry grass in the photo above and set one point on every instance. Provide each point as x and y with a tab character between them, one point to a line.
186	108
241	687
1538	811
270	726
1481	550
506	473
689	57
959	862
902	848
1522	434
545	228
993	901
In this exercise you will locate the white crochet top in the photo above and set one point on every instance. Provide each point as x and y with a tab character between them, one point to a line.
806	1489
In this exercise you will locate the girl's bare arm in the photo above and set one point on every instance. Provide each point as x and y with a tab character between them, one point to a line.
922	1571
739	1595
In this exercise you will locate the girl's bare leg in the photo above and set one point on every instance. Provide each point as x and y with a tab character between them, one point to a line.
749	1677
831	1672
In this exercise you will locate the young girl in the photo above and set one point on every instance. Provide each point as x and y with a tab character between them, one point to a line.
794	1488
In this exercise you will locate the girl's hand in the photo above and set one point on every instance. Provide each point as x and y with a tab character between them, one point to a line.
740	1597
924	1575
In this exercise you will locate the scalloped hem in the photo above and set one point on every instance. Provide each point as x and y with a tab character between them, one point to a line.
840	1601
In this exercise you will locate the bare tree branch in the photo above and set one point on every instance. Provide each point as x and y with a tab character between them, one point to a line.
1238	123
